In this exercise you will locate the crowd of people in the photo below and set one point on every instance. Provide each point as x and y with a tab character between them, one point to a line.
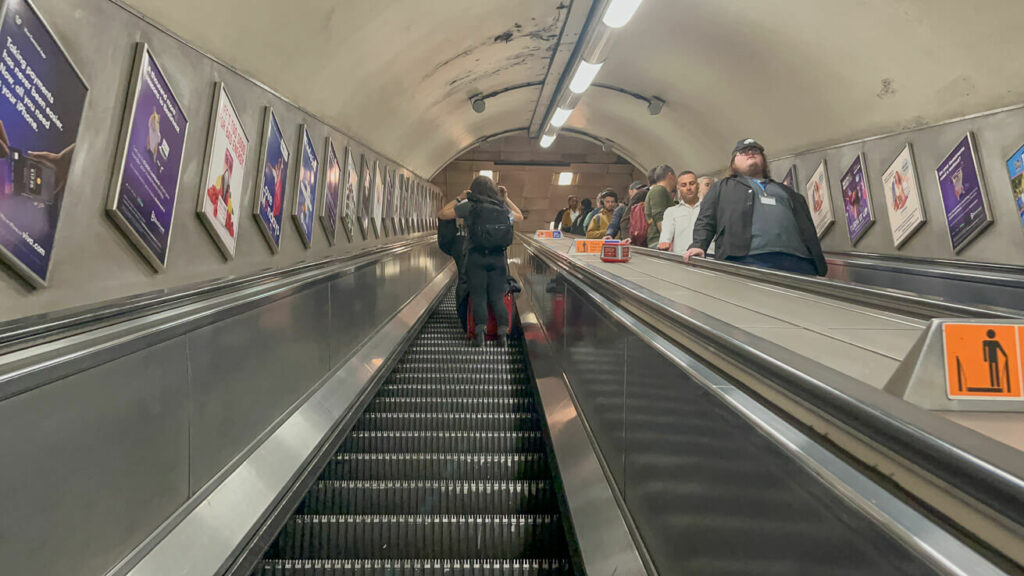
746	218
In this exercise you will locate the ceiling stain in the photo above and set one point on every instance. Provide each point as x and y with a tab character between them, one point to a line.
888	89
505	37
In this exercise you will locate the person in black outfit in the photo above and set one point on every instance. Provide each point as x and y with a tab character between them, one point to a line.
486	267
757	221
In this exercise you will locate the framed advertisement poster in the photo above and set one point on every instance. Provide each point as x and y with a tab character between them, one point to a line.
819	199
227	149
365	198
39	145
963	193
1015	168
148	167
789	180
378	200
389	201
271	186
902	196
350	197
331	193
857	199
306	187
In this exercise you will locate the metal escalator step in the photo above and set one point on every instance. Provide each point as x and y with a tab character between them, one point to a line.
453	372
440	442
552	567
447	421
455	391
453	405
523	466
429	497
415	536
452	378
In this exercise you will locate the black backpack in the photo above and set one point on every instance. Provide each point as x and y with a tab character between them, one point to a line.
490	228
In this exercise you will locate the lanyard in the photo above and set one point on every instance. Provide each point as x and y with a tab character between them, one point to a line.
759	185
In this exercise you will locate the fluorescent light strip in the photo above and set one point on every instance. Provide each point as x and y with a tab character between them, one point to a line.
585	74
546	140
560	117
488	173
565	179
619	12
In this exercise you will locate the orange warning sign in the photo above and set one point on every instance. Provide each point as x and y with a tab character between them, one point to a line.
589	246
549	234
983	361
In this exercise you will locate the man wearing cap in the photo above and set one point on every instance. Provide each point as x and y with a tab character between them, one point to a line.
619	227
757	221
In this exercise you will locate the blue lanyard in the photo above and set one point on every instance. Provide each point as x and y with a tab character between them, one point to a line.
759	185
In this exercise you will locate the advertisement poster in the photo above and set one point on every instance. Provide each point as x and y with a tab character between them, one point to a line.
226	152
40	111
963	193
1015	167
789	180
856	200
819	199
350	197
365	198
304	211
271	189
403	191
145	186
331	193
389	200
903	197
378	200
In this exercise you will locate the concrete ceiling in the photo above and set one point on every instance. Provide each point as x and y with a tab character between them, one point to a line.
795	74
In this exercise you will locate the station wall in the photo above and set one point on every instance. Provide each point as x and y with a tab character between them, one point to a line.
92	259
997	135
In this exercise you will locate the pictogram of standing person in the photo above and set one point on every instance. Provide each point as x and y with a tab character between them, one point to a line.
992	350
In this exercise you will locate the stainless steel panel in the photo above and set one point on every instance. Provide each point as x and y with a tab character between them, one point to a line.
93	463
246	371
711	495
595	365
210	536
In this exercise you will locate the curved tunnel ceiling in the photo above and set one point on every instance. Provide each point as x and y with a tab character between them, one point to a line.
796	74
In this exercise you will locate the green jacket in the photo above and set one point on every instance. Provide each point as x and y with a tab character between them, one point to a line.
659	199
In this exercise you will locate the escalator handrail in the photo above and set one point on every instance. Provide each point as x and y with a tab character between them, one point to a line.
31	330
945	269
899	427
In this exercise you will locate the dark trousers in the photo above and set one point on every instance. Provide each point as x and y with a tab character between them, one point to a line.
778	261
488	274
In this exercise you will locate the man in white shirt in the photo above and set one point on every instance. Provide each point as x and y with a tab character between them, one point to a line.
677	227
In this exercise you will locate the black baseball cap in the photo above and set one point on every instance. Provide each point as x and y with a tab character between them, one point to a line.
638	185
747	143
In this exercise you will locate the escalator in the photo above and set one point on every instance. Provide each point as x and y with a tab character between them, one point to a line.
445	473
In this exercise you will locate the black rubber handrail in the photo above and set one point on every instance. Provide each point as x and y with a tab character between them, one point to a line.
985	482
31	330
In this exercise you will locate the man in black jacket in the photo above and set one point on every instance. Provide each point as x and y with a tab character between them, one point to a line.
757	221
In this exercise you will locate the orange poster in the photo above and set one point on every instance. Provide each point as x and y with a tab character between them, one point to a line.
589	246
983	361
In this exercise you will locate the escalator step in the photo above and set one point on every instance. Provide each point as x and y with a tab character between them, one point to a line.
443	537
455	391
523	466
414	568
447	421
460	378
440	442
453	405
429	497
481	367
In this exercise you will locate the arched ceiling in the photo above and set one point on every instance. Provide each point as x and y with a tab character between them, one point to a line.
797	74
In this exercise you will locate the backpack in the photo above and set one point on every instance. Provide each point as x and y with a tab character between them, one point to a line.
638	225
447	231
490	228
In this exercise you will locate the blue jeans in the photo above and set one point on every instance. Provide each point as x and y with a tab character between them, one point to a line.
778	261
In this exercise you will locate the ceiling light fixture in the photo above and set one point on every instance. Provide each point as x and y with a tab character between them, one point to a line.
585	74
560	117
546	140
619	12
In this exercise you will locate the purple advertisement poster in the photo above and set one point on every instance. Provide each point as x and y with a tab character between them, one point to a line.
40	110
789	180
271	188
963	193
856	200
332	194
149	162
304	212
